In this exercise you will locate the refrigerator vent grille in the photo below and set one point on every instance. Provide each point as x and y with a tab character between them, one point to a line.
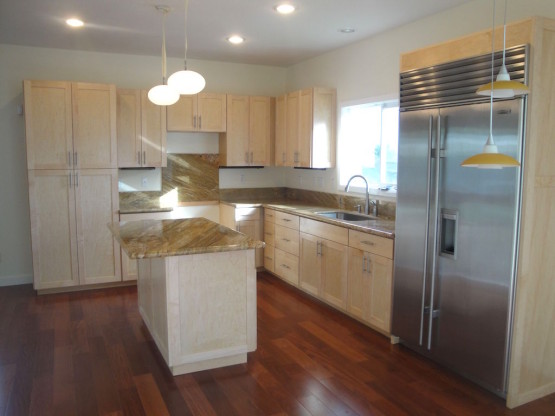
456	82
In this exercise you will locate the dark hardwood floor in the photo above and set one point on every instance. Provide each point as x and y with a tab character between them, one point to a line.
88	353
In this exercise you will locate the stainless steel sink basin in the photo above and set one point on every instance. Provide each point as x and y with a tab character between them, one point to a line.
345	216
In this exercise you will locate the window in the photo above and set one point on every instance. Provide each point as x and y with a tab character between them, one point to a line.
368	143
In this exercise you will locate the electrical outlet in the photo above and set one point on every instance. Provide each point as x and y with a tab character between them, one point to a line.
144	181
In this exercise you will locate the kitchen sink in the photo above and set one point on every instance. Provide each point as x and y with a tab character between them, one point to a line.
345	216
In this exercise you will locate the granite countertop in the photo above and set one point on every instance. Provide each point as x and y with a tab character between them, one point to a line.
162	238
379	226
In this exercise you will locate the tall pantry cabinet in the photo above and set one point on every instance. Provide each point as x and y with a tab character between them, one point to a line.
71	144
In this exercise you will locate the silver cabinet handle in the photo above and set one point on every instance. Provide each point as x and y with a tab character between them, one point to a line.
286	219
195	122
69	158
70	184
286	266
74	158
76	180
144	157
363	264
368	242
200	122
286	240
139	157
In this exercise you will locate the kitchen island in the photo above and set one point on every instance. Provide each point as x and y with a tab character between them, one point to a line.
196	290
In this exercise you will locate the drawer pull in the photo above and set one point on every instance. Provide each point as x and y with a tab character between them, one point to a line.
286	219
268	233
286	266
269	258
367	242
286	240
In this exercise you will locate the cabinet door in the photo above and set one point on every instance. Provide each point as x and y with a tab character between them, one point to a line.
358	296
53	232
380	270
269	253
322	128
153	131
280	132
128	268
253	228
286	266
48	124
334	259
292	129
94	125
305	129
310	272
97	206
128	128
211	112
236	138
261	127
181	116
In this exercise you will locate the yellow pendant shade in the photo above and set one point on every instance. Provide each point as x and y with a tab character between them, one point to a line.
503	89
490	161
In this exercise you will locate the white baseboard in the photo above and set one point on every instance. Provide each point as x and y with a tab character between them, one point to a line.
16	280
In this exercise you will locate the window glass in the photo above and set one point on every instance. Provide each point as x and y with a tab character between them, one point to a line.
368	143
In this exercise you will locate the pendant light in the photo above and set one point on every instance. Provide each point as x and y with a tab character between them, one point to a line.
186	82
503	87
162	94
490	158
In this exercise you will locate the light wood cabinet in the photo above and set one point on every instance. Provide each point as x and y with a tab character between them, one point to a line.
248	221
249	137
323	261
141	130
280	147
71	243
281	235
370	288
310	125
70	125
201	112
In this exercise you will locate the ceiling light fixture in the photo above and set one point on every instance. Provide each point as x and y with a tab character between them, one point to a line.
347	30
503	87
285	8
186	82
162	94
490	158
74	22
236	39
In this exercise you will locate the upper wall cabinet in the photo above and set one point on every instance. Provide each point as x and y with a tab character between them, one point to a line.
202	112
141	130
249	139
305	128
70	125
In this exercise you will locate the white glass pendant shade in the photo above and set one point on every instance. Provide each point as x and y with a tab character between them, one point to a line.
186	82
163	95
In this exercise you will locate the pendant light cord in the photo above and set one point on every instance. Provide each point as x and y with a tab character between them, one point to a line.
504	31
165	12
492	75
185	27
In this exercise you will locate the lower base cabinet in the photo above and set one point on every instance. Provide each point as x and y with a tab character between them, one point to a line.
70	212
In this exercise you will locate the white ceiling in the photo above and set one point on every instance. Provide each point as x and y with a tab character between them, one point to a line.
134	26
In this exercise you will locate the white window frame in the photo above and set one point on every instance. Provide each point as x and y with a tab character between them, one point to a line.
357	185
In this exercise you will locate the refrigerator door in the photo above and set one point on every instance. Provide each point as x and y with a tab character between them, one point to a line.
417	133
477	240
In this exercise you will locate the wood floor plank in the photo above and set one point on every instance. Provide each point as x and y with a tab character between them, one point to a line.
89	353
150	396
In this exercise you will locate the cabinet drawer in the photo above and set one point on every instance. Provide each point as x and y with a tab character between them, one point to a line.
269	232
286	239
287	220
269	253
371	243
321	229
287	266
269	215
252	213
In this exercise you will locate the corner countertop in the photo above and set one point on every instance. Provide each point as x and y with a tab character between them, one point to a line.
378	226
162	238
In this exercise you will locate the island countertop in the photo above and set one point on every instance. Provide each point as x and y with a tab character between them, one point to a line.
162	238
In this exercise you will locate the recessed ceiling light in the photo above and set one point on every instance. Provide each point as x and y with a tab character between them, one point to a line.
73	22
236	39
347	30
285	8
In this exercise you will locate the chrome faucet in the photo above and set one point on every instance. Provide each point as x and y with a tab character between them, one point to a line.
366	199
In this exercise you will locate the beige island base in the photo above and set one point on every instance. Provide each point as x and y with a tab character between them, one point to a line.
196	290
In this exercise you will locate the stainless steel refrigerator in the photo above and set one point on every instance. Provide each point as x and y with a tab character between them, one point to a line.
456	231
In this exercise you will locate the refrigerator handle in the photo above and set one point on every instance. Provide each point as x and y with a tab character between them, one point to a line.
425	268
436	230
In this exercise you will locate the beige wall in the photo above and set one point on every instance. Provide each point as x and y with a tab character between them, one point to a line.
366	69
